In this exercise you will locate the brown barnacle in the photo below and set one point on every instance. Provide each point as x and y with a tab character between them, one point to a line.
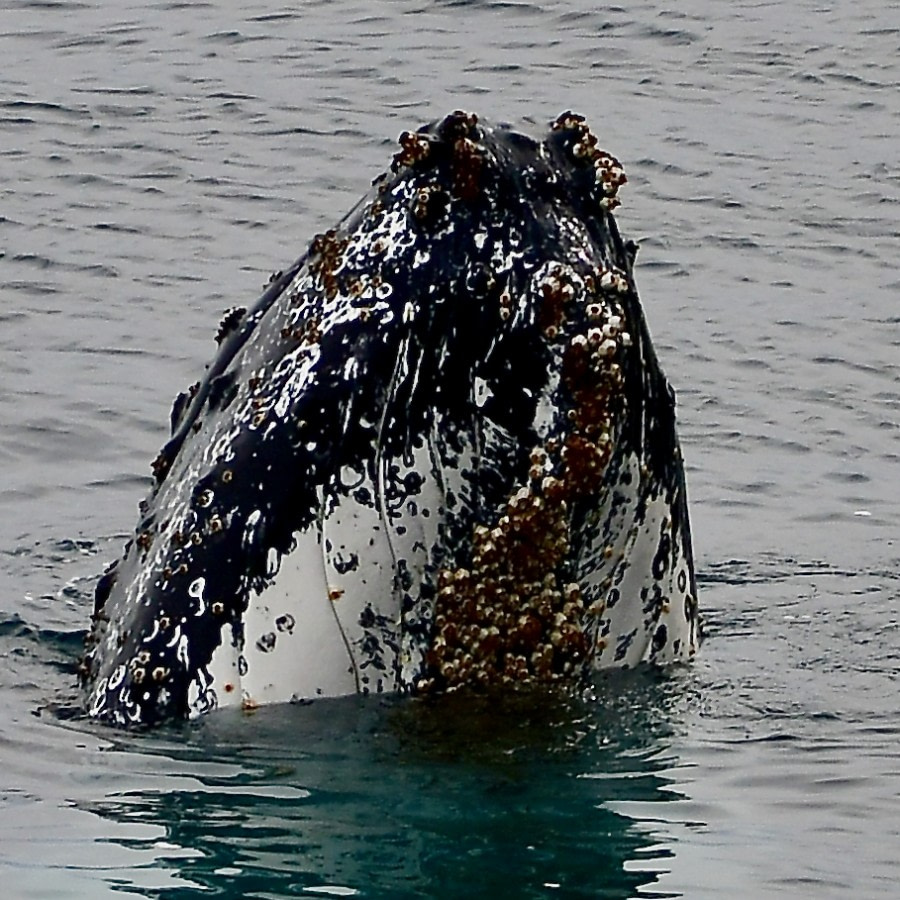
160	673
450	633
461	575
444	579
233	316
554	489
325	252
217	607
227	475
467	165
138	675
430	203
569	121
458	124
607	348
160	466
597	608
196	538
215	524
144	540
259	418
204	498
542	662
414	149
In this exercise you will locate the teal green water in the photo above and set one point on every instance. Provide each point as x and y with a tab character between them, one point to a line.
514	797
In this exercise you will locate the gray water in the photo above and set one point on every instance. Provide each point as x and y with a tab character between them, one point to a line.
158	161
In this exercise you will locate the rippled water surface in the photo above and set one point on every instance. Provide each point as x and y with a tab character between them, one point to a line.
158	161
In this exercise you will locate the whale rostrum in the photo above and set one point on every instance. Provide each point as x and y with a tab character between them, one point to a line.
438	452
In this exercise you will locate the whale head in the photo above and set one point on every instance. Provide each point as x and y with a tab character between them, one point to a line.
439	451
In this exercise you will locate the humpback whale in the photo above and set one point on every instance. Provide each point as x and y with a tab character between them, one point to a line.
439	451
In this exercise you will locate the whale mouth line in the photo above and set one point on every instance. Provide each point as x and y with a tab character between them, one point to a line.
438	452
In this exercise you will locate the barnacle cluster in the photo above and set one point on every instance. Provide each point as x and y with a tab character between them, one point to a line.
582	144
414	149
514	614
230	322
326	253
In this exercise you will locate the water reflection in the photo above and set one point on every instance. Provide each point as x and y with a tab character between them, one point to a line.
466	796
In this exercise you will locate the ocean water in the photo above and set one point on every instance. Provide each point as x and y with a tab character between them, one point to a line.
159	160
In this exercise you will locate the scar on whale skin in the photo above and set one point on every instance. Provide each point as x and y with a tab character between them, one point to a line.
439	451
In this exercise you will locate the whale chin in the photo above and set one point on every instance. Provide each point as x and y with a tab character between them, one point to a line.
438	452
